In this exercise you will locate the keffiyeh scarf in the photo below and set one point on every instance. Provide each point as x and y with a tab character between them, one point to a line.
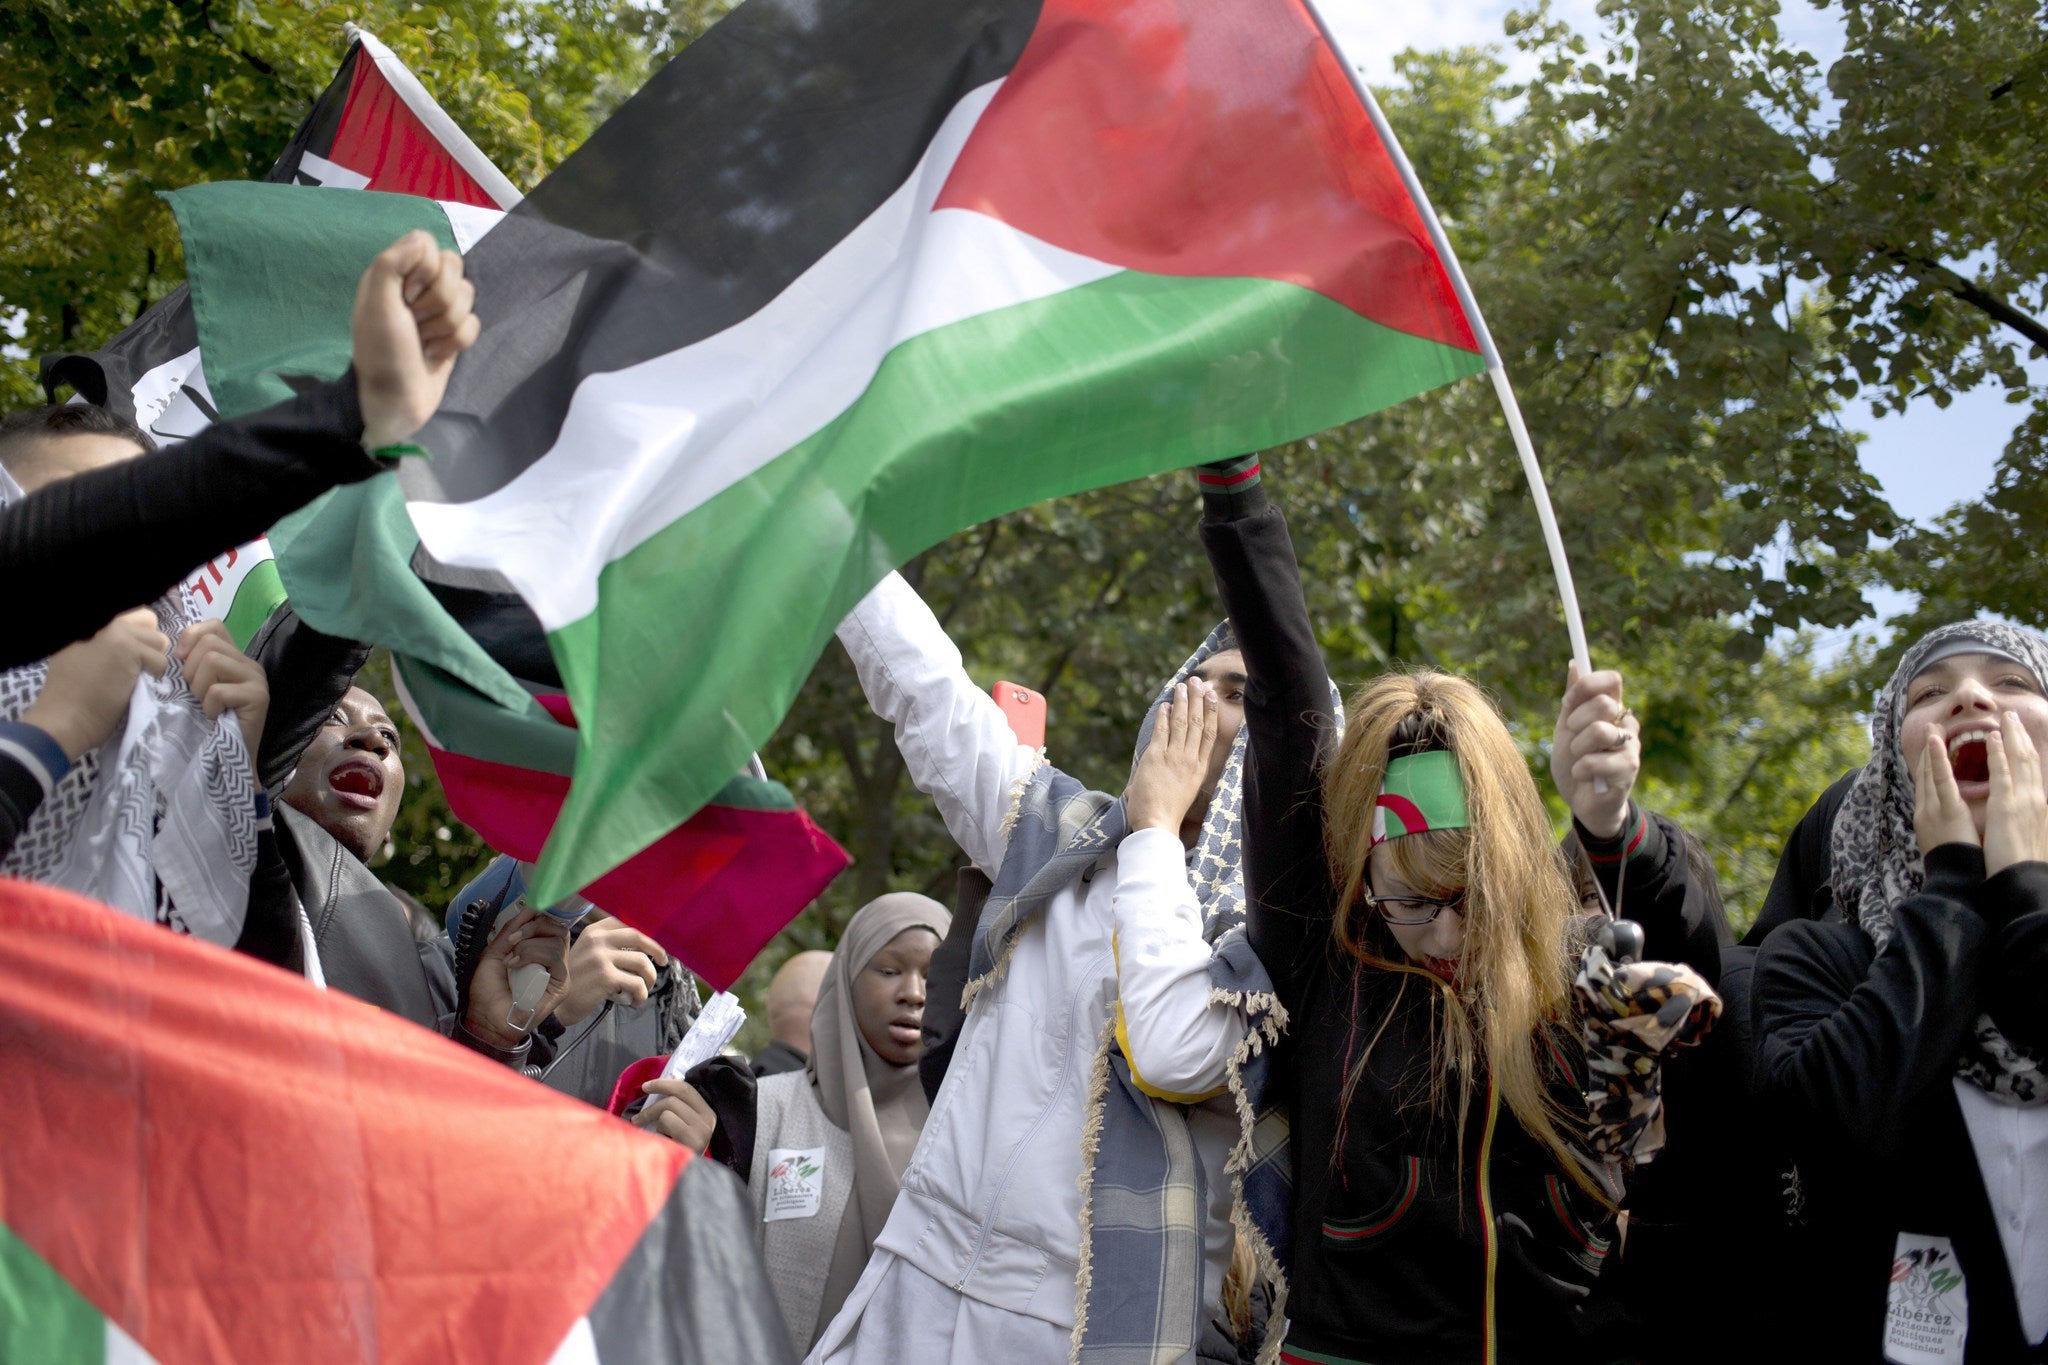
159	821
1145	1194
1876	858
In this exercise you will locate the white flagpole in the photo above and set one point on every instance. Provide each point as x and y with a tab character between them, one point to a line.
1560	567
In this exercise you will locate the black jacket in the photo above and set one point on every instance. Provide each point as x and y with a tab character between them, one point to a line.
1390	1237
1800	889
364	940
123	535
1857	1050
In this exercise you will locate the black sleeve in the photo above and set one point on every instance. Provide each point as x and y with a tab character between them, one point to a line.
31	765
1647	877
2015	983
271	930
727	1085
1289	718
947	981
1854	1036
1800	889
20	795
122	535
308	673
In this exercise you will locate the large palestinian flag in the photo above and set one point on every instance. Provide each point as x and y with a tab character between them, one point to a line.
273	271
846	277
207	1159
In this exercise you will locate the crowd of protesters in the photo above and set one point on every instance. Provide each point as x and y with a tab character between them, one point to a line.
1313	1043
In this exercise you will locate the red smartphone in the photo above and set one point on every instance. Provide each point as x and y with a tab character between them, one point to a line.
1024	709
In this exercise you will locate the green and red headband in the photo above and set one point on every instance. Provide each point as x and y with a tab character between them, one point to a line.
1420	792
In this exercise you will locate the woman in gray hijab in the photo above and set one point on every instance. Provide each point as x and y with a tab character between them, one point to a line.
830	1142
1902	1038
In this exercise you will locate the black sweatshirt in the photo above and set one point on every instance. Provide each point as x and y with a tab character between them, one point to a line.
122	536
1857	1055
1389	1246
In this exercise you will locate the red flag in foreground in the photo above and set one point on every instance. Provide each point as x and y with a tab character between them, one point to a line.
210	1159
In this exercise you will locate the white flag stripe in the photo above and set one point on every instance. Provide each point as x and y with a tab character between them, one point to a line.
578	1348
330	174
642	447
467	223
123	1349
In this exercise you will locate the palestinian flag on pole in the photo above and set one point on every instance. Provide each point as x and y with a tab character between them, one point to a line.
842	280
375	127
273	270
208	1159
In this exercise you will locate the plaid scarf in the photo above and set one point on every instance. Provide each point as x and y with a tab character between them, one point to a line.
1876	856
1145	1196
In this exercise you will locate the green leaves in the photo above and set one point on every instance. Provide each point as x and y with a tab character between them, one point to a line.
115	100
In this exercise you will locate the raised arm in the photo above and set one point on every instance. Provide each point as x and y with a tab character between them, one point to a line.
958	748
1288	717
124	534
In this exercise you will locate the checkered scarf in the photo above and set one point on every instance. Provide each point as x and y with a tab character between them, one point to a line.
160	820
1145	1196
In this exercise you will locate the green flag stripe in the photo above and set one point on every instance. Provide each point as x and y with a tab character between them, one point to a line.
466	722
287	312
1123	377
261	592
41	1316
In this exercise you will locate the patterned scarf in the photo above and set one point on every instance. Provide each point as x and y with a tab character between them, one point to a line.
160	821
1145	1198
1876	858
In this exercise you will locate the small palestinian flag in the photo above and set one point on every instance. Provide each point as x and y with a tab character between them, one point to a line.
374	127
844	279
273	270
207	1159
713	891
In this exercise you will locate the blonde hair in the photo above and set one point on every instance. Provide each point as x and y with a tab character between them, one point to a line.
1518	904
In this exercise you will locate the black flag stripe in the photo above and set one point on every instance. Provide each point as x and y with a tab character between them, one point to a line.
746	159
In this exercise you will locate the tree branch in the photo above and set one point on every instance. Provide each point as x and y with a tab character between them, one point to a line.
1989	304
1052	675
972	576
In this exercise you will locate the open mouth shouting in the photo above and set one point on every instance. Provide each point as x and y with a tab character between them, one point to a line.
1969	757
357	781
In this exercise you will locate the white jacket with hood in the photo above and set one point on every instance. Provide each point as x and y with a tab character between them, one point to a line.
990	1205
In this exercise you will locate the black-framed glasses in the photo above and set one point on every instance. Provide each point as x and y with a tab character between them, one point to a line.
1411	909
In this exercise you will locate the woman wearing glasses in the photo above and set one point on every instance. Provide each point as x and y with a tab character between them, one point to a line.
1423	931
